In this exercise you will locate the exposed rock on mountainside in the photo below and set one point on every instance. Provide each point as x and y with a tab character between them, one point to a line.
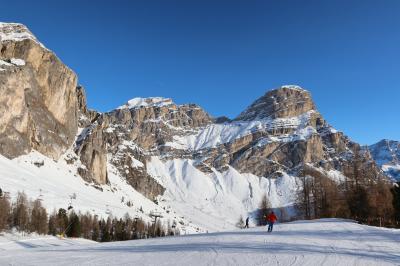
287	101
141	128
387	155
38	103
90	144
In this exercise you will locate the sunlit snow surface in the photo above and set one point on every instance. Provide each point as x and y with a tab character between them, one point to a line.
216	134
215	201
57	185
147	102
329	242
16	32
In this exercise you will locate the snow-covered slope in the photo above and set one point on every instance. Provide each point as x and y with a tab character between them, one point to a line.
386	153
12	241
329	242
58	186
216	134
216	200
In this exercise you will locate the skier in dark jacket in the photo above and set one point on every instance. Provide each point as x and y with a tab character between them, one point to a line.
247	222
271	219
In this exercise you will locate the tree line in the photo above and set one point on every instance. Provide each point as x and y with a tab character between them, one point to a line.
30	216
363	195
371	200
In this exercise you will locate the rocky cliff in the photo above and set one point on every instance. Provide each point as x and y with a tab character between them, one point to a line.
38	101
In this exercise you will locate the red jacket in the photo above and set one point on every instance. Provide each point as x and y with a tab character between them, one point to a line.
272	218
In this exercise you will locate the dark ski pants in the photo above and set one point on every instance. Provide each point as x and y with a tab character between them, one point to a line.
270	226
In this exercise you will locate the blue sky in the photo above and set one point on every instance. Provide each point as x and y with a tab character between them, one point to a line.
225	54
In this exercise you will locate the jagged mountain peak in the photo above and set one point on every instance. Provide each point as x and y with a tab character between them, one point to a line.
16	32
139	102
285	101
292	87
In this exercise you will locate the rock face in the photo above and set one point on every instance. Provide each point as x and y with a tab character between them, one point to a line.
387	155
280	132
140	129
287	101
38	102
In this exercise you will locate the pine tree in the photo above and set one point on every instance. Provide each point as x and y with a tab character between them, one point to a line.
86	225
61	221
105	230
74	227
20	213
359	204
53	223
96	229
38	219
263	210
304	203
240	222
5	212
396	202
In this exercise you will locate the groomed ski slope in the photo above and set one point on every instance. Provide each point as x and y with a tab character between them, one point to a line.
320	242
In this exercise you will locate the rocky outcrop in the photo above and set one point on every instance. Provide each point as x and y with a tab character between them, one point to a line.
156	123
38	103
86	116
141	128
91	148
90	144
287	101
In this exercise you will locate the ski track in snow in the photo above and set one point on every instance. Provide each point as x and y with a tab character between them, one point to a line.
320	242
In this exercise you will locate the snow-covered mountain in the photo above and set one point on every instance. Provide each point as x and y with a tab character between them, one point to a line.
387	155
151	154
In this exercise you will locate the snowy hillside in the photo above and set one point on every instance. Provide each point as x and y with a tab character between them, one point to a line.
57	185
386	153
195	200
12	241
320	242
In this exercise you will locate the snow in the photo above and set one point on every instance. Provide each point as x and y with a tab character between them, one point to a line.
12	241
16	32
146	102
136	163
17	62
4	63
393	170
293	87
386	153
205	198
328	242
216	134
14	62
55	182
7	32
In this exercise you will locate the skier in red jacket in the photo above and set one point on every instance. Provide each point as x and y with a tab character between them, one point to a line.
271	219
